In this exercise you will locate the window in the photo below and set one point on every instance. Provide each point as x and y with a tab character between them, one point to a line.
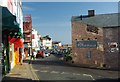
93	29
89	54
33	36
113	47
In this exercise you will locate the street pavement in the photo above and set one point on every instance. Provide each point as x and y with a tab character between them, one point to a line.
0	72
52	68
22	73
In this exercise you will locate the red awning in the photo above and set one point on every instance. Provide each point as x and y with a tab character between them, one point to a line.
17	42
13	40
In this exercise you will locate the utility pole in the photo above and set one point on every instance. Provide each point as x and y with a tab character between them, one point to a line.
31	40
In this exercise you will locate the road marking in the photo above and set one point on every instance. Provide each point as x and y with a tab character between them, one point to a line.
34	74
54	72
89	76
44	71
99	76
35	70
64	73
76	74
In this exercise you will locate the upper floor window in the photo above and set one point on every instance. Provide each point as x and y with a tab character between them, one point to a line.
93	29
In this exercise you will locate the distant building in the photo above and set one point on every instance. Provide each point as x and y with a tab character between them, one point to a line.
35	40
95	40
67	46
46	42
27	31
56	44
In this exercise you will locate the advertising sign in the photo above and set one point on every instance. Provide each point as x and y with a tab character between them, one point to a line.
87	44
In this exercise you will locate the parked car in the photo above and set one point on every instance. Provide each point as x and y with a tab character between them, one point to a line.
40	53
46	53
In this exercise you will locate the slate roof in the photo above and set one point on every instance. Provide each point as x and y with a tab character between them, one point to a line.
46	38
103	20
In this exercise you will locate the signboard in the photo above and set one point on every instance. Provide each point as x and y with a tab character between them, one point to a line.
87	44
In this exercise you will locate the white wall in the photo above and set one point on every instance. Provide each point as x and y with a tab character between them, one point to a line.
17	10
3	3
35	40
47	43
60	44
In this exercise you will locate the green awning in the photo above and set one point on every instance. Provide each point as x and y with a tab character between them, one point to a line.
8	20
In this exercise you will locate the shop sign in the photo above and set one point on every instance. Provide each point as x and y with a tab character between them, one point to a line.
87	44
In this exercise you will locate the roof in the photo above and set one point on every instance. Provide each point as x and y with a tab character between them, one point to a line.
103	20
46	38
56	42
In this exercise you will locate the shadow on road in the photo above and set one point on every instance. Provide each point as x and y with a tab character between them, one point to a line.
62	63
49	62
18	79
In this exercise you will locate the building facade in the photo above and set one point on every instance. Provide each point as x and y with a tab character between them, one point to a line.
95	42
27	32
11	32
56	44
35	40
46	42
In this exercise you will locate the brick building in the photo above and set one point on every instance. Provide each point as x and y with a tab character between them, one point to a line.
95	39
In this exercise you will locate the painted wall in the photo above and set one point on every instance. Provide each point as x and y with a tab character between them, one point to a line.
47	43
35	39
15	7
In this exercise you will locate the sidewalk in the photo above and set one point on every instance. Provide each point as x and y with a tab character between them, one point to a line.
88	66
21	73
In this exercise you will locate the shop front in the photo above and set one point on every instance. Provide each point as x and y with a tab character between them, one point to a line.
10	29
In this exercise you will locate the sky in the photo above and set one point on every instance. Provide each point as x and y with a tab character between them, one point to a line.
54	18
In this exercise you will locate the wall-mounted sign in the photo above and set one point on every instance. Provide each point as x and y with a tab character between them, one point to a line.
87	44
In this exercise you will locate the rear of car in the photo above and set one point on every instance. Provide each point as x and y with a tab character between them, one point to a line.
40	53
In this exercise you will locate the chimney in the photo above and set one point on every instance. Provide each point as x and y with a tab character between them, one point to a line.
91	13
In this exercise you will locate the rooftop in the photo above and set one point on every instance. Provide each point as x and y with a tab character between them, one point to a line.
102	20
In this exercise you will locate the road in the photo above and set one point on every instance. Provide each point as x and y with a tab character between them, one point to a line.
52	68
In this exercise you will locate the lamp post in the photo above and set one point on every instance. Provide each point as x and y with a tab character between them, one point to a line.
31	40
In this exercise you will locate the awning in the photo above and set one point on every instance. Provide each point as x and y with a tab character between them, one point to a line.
17	42
9	23
8	20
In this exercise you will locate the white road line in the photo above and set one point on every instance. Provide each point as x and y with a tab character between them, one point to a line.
89	76
99	76
64	73
44	71
92	77
54	72
35	70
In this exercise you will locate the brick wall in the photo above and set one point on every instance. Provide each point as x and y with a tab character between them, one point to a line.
111	46
79	32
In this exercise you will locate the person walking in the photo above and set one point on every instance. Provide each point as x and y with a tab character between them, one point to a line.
32	57
20	57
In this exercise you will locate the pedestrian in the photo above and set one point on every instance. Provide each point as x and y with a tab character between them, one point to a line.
20	57
32	57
